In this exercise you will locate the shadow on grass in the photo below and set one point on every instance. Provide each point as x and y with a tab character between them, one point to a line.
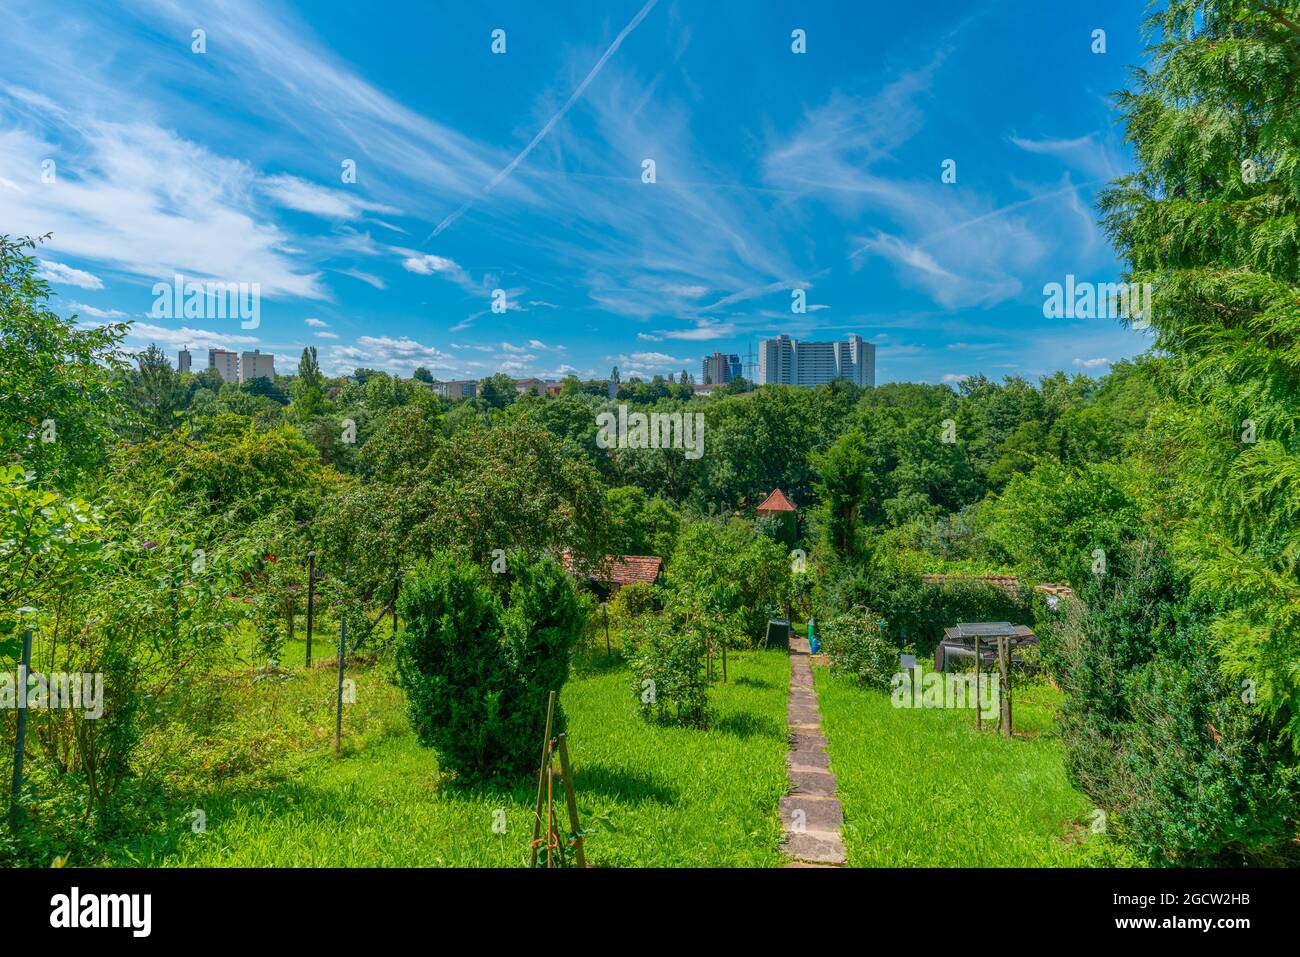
627	786
754	683
594	664
747	725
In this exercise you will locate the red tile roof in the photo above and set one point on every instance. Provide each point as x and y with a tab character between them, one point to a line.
619	569
777	502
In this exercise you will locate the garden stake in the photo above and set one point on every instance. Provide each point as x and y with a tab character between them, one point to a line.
311	600
338	714
565	770
979	720
541	772
20	739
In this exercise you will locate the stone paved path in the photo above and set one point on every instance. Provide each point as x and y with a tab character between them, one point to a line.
811	814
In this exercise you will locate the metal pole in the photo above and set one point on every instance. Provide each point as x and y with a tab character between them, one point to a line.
338	714
311	600
20	739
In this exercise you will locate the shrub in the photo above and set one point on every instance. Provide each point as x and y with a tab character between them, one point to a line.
477	667
1186	771
668	675
858	647
631	602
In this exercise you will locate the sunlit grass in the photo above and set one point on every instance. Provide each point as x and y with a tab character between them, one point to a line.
647	795
923	788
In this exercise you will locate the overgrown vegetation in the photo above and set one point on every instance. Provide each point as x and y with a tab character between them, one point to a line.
155	528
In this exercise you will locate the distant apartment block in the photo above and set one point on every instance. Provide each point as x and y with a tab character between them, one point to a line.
183	360
226	363
786	361
458	389
256	365
721	368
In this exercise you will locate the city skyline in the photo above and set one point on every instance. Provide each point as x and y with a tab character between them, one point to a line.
593	195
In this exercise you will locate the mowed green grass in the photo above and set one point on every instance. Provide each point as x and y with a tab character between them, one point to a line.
924	788
647	795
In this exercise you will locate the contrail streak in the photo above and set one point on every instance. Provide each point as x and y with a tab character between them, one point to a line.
550	124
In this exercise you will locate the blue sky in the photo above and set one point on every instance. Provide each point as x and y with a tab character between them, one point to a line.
523	172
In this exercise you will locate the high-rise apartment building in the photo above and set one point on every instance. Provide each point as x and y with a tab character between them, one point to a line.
256	365
786	361
183	360
226	363
720	368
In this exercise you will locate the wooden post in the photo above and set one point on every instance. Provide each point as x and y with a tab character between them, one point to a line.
979	718
541	776
573	802
338	713
604	607
724	659
311	600
20	739
1004	672
395	588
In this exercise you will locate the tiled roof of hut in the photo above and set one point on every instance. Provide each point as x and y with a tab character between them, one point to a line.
618	569
777	502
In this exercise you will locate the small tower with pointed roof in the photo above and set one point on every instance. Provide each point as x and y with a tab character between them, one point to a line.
780	508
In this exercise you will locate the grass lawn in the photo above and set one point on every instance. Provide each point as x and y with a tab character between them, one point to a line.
923	788
647	795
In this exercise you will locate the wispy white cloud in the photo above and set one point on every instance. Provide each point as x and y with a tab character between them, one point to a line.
67	276
84	309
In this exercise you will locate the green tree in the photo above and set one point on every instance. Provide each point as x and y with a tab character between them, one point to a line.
1208	220
62	388
156	392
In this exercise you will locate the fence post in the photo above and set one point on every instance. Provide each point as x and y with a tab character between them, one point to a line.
20	739
311	600
1004	669
338	714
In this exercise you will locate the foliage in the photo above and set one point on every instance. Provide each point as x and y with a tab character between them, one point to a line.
1209	220
856	643
477	667
741	578
1170	751
668	663
60	388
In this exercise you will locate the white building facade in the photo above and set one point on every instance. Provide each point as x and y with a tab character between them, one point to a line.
786	361
256	365
226	363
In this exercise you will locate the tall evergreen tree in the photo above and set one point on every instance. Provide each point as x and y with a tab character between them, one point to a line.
1211	220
